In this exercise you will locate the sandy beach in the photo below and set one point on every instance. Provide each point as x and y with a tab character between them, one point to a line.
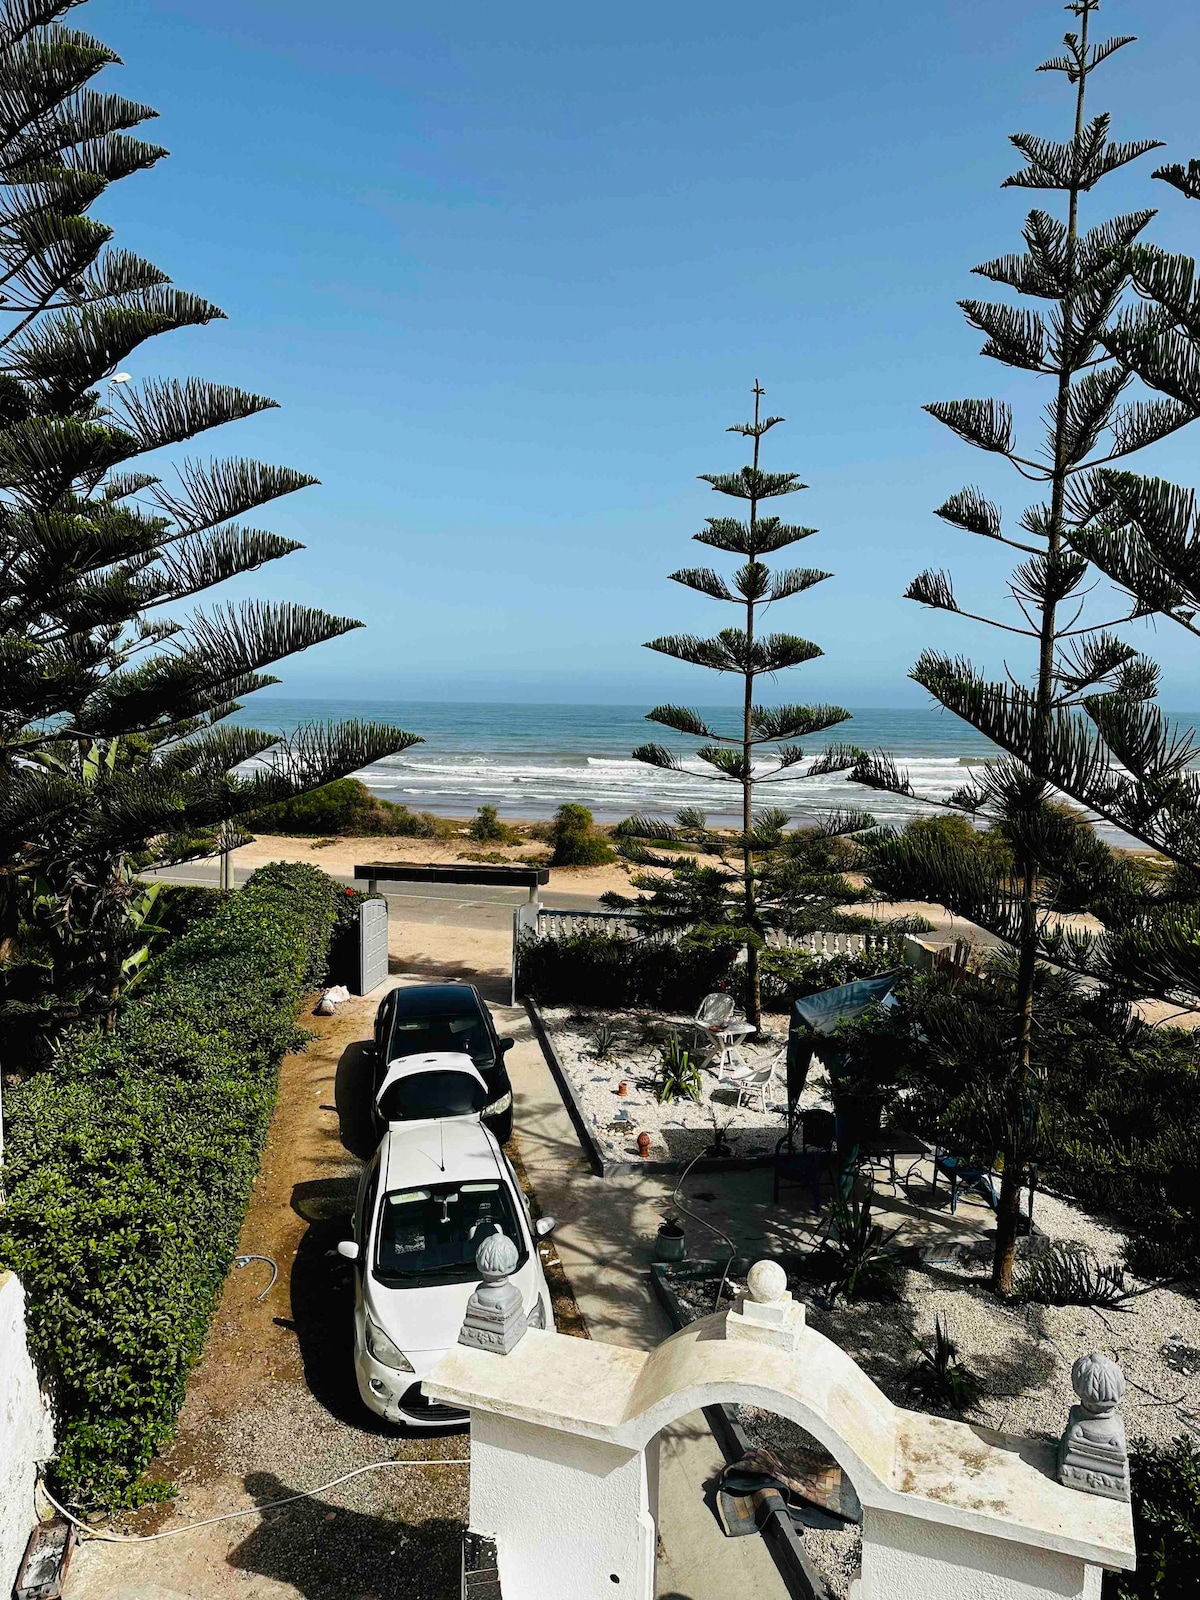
341	856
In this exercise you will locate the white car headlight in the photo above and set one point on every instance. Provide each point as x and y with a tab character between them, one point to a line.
497	1106
537	1316
384	1351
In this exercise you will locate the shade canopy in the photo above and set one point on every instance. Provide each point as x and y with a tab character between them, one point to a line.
821	1013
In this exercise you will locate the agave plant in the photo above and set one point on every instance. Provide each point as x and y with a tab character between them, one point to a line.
939	1376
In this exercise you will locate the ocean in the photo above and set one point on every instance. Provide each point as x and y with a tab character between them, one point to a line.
528	759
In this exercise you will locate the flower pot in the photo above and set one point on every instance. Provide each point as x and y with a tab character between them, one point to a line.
670	1246
643	1145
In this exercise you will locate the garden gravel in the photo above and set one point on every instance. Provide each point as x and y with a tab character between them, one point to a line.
1022	1353
678	1129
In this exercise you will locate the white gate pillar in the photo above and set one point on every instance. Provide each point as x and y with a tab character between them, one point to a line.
570	1515
924	1560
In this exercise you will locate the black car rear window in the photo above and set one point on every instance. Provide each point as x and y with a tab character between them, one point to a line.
419	1036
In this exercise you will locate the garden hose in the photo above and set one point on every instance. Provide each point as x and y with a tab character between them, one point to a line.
244	1261
678	1204
250	1511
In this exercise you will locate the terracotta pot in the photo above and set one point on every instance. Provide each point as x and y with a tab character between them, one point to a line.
622	1088
643	1144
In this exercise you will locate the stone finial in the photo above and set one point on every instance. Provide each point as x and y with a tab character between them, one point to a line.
1092	1454
766	1313
494	1319
766	1283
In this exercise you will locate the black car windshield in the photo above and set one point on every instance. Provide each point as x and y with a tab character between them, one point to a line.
430	1235
419	1036
427	1095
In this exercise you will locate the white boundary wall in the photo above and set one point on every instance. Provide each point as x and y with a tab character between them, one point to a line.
26	1431
564	1466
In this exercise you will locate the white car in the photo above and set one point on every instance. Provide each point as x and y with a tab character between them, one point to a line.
428	1197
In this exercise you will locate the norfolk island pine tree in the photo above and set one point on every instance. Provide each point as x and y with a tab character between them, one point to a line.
112	752
748	653
1084	276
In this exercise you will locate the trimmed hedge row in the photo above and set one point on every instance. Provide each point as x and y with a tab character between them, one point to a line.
130	1166
606	969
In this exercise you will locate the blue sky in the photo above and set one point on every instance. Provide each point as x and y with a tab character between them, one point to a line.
511	271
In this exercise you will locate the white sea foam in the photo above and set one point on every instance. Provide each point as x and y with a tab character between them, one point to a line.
613	787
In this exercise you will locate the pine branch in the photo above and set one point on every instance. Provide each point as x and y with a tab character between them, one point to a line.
682	720
770	723
165	411
1015	337
750	484
224	489
657	755
729	651
987	424
1185	179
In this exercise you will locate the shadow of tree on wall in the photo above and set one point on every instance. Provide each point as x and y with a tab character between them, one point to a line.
325	1552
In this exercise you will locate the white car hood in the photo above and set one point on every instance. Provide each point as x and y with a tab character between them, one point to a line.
420	1320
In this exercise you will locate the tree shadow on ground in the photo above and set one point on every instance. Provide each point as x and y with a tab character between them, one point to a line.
352	1098
494	986
322	1291
326	1553
325	1199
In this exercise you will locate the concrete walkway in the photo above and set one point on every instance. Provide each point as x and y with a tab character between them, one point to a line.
605	1241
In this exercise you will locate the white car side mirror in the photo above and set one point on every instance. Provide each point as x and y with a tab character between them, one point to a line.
348	1248
544	1226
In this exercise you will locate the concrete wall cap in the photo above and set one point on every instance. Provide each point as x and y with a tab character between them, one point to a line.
899	1461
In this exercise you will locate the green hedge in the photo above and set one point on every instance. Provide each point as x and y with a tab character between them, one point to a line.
606	969
1166	1524
130	1166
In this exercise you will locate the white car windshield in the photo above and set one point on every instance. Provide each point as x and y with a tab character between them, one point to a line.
430	1235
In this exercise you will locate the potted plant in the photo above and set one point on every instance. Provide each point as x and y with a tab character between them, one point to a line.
671	1244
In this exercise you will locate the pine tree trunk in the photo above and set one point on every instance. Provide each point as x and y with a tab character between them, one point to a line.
753	990
1008	1222
1010	1187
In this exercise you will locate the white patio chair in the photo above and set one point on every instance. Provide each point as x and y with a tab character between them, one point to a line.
714	1012
756	1081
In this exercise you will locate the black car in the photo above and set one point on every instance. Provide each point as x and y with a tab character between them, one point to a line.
440	1018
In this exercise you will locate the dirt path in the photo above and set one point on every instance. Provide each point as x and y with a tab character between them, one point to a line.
272	1408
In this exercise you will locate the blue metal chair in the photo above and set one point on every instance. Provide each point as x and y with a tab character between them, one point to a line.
958	1173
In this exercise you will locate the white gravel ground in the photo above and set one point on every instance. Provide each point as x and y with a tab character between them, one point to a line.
1023	1354
678	1129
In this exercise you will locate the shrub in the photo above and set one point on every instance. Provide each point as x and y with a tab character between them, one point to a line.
575	841
1166	1524
486	828
343	943
858	1261
677	1076
788	975
347	806
130	1166
181	906
1068	1275
939	1377
611	970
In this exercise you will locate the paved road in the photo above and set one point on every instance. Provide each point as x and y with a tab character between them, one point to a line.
484	906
